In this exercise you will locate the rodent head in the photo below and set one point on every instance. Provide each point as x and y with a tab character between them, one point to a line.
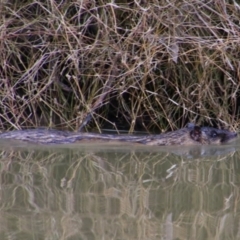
210	135
217	136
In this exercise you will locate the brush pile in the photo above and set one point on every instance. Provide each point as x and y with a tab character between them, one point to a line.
133	65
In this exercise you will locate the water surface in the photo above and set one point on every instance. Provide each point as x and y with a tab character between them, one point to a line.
109	191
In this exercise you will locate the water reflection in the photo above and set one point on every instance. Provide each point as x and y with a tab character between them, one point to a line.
119	192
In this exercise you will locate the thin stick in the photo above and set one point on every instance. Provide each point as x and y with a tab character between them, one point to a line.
100	101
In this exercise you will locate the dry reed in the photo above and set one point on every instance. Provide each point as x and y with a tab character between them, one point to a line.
130	65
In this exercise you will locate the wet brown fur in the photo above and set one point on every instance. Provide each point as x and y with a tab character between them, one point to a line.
191	135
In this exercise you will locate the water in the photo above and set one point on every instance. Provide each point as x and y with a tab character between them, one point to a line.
119	192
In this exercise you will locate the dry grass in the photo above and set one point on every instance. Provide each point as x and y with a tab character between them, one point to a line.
132	65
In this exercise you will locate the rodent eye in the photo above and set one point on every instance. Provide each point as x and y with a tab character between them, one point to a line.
214	134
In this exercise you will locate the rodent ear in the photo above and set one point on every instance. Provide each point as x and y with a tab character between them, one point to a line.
196	134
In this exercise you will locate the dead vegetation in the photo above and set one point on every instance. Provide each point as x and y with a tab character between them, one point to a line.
124	65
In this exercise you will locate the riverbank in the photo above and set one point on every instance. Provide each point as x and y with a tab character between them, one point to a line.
130	66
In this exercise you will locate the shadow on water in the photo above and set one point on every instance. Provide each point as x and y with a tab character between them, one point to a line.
119	192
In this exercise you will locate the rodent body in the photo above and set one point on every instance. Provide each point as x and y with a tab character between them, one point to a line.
191	135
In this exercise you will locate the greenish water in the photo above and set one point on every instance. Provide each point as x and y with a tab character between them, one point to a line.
119	192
